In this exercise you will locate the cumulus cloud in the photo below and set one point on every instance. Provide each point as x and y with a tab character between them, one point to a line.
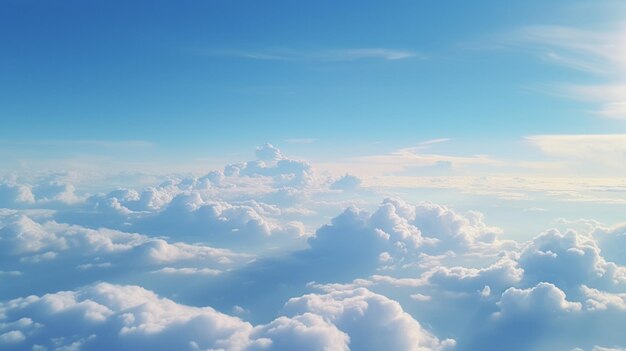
373	322
502	274
601	300
219	223
15	195
397	229
21	236
544	298
377	268
568	259
107	316
46	190
612	241
346	183
66	255
268	152
121	318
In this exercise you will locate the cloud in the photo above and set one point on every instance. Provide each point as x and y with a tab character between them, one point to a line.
496	277
301	140
404	228
527	319
69	254
339	55
347	182
305	331
372	321
219	223
543	299
122	318
599	53
612	241
607	150
15	195
268	152
403	159
601	300
568	259
377	268
108	316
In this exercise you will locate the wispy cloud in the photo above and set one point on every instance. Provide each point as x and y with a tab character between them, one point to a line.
401	160
435	141
607	150
336	55
301	140
599	53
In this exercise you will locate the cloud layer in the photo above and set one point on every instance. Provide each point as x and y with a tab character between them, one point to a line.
272	254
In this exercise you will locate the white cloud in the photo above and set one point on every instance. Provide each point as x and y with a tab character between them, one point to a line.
418	261
107	316
305	331
568	259
601	300
346	183
268	152
339	55
12	194
301	140
600	53
543	299
606	150
498	276
402	159
373	322
612	241
188	271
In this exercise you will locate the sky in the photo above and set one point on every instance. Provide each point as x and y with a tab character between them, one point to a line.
279	175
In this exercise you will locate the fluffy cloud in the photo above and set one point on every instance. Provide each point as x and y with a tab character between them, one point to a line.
21	236
219	223
601	300
107	316
612	241
271	163
346	183
399	230
50	255
49	190
568	259
380	268
373	322
15	195
496	277
543	299
306	331
543	317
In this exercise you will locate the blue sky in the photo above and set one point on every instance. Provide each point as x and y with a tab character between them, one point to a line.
234	74
325	175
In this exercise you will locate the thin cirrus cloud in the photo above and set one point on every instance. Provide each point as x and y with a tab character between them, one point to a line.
601	54
301	140
335	55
